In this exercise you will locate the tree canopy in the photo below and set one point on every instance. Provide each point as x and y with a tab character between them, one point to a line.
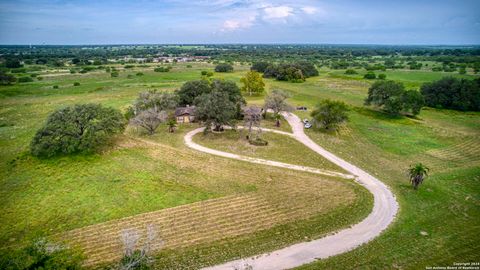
215	109
253	83
192	89
224	67
453	93
78	128
393	98
329	114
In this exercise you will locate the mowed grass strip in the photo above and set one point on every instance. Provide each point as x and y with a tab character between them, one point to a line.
284	197
280	148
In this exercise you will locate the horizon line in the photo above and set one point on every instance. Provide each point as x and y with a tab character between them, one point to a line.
248	43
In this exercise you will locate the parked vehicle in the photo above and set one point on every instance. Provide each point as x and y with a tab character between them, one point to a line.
307	125
305	121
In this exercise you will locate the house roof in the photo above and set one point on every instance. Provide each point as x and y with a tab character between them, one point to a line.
190	110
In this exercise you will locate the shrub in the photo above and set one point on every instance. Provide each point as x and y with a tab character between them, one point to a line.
78	128
73	71
41	255
55	87
382	76
224	67
76	84
189	66
129	76
39	78
369	76
33	75
129	66
258	142
18	70
206	73
162	69
350	72
139	74
114	74
6	79
25	79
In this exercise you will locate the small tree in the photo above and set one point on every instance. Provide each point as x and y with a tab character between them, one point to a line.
277	101
215	109
329	114
149	119
41	254
417	174
159	101
252	118
135	257
253	83
150	109
78	128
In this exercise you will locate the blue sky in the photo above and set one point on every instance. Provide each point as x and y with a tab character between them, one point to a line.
239	21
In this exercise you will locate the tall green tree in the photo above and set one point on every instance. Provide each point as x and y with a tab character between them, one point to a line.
329	114
215	109
253	83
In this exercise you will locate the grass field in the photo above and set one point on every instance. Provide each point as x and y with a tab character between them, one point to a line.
198	203
158	173
280	148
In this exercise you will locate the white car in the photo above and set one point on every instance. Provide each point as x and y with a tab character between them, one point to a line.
308	125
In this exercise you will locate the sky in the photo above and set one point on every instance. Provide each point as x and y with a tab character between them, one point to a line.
69	22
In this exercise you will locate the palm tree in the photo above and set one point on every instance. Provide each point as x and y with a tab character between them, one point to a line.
417	173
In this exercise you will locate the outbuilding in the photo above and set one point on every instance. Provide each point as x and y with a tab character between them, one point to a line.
185	114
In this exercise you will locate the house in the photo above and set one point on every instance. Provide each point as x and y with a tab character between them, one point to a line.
185	114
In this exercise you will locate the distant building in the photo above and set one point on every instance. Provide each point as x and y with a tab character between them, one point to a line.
185	114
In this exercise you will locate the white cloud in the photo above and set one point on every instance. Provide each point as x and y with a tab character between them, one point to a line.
309	10
232	25
280	12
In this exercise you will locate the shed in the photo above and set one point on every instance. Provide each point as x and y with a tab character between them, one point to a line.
185	114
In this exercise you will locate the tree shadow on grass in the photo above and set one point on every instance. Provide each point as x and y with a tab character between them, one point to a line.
381	115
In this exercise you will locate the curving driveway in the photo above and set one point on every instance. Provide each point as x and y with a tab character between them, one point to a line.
384	210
